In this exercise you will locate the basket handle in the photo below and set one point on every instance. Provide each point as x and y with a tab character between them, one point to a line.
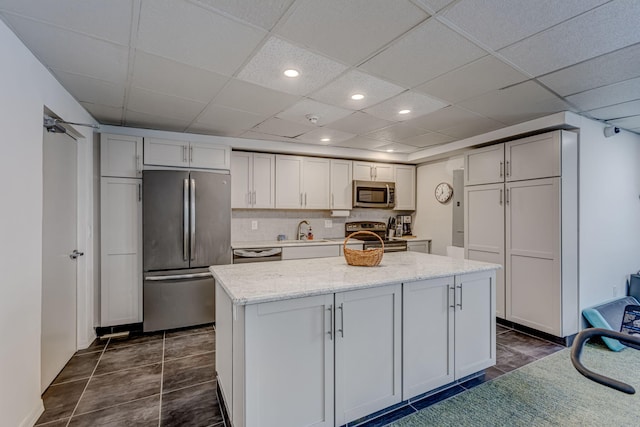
344	245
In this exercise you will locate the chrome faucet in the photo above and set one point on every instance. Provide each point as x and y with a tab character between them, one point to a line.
301	235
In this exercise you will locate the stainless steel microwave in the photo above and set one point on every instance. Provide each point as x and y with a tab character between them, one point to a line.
374	194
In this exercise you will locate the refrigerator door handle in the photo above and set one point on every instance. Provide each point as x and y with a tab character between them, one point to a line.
185	220
193	219
177	277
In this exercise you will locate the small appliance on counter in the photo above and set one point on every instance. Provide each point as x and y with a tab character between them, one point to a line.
403	225
370	242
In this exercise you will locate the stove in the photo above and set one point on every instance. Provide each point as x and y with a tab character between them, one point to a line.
379	228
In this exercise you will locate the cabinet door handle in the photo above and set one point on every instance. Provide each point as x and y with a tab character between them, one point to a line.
501	196
449	289
341	330
139	192
332	200
138	165
460	305
507	197
300	199
253	200
184	153
501	168
330	333
247	198
305	200
191	154
508	169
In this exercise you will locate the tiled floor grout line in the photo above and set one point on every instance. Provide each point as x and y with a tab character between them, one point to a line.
88	381
164	338
192	385
191	355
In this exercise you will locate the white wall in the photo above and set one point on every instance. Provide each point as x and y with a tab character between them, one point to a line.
433	219
609	203
26	88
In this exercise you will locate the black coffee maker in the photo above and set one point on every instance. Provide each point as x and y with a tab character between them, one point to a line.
404	224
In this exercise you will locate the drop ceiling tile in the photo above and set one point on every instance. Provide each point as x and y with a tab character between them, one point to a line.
605	29
267	66
607	95
613	67
227	120
173	78
417	103
395	132
245	96
264	13
396	148
154	103
428	140
152	121
339	91
325	114
266	137
72	52
427	51
442	119
359	123
481	76
498	23
436	5
279	127
471	128
104	114
525	101
93	91
317	135
107	20
361	142
350	30
196	36
618	111
627	123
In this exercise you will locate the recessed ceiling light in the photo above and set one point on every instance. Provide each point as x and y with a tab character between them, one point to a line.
357	96
404	111
325	139
390	150
291	73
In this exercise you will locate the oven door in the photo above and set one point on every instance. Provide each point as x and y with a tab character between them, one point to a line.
395	246
372	194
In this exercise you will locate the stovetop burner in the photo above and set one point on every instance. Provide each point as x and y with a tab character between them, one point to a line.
379	228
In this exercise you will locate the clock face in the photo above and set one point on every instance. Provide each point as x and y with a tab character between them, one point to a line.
443	192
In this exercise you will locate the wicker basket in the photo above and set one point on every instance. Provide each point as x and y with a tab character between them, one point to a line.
364	258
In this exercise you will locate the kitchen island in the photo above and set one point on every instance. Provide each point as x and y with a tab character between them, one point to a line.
319	342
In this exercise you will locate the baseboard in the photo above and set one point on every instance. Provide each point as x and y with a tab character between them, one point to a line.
30	420
564	341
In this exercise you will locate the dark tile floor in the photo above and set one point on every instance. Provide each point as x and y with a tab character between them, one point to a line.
162	379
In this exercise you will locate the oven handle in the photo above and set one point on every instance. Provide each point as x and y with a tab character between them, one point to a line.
395	248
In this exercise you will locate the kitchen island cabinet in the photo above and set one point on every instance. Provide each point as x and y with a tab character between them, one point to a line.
321	343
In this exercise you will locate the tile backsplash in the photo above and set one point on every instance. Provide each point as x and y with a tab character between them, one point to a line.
271	223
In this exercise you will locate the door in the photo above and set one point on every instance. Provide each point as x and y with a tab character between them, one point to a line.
165	220
533	157
208	156
241	171
405	188
341	184
289	182
165	152
264	180
210	219
383	172
120	156
315	178
59	226
484	165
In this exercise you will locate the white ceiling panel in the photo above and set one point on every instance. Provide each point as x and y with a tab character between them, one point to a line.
195	36
498	23
481	76
507	105
361	142
472	127
317	135
360	123
602	30
107	20
427	51
417	103
266	68
339	91
442	119
193	83
152	121
607	95
93	91
225	120
396	132
323	112
435	5
619	111
263	13
396	147
148	102
428	140
245	96
104	114
350	30
72	52
604	70
627	123
279	127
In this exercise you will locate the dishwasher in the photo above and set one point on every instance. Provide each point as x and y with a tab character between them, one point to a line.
241	256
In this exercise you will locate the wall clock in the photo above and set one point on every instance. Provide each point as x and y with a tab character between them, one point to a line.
443	192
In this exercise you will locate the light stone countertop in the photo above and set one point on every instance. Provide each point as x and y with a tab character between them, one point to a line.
290	243
280	280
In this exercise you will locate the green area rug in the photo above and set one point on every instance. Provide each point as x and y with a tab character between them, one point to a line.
548	392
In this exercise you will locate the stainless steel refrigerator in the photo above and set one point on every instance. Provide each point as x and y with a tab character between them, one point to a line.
186	228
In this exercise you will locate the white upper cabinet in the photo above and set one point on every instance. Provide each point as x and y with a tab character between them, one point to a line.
120	156
405	179
534	157
341	184
368	171
484	165
252	180
166	152
302	182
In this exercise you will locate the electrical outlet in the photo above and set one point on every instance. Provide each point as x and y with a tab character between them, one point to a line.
254	225
328	223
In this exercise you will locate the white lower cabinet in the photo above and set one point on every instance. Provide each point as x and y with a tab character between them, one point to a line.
448	322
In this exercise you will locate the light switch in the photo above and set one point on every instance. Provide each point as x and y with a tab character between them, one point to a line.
254	225
328	223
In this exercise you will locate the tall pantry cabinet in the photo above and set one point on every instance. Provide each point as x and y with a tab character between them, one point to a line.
521	212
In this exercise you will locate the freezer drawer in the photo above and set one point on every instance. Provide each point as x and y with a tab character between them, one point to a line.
171	301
